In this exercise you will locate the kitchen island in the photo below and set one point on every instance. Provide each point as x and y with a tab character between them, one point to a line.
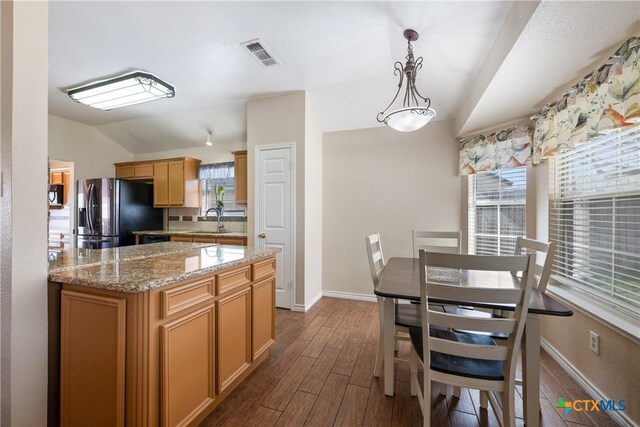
157	334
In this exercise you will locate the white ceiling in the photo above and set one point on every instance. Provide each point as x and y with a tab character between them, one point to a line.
342	53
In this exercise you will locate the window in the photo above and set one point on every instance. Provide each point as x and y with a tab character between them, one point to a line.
594	218
218	174
497	210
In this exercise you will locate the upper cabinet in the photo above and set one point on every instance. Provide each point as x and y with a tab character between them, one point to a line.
175	181
240	173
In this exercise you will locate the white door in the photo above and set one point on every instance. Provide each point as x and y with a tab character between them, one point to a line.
274	218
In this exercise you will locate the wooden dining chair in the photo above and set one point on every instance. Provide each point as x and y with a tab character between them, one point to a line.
407	315
437	241
468	359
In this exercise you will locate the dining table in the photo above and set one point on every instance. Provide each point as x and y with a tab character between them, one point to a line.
400	280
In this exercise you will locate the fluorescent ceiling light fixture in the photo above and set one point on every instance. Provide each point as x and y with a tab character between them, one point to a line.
128	89
411	116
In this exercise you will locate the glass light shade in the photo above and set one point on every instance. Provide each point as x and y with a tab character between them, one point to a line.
129	89
409	119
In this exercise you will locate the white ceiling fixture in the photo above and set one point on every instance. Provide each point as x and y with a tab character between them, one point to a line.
209	138
260	52
411	116
128	89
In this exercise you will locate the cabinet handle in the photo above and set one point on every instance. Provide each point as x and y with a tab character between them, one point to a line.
262	235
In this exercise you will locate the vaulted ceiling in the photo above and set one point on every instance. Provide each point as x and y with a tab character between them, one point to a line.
484	62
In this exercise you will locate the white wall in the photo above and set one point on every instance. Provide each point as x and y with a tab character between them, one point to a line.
380	180
92	152
312	206
277	120
27	356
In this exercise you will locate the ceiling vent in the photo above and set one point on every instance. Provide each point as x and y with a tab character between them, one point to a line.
260	52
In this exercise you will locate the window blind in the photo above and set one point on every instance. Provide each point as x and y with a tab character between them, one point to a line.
497	210
594	218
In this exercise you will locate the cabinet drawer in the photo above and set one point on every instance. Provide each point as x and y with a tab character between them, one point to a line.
175	300
239	241
264	268
125	171
233	279
204	240
181	239
143	170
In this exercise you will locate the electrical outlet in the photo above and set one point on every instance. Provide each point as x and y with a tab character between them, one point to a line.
594	342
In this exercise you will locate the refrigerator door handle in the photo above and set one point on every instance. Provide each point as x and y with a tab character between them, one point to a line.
91	208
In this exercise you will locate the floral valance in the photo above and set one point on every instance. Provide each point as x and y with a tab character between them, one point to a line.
216	171
605	100
505	149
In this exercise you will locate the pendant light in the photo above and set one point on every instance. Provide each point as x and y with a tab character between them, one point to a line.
412	116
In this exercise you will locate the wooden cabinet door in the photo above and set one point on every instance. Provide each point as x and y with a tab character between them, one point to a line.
56	178
176	183
240	172
187	367
92	356
161	184
125	171
234	336
143	170
263	320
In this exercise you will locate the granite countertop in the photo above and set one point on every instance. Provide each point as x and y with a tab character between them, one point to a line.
148	268
193	233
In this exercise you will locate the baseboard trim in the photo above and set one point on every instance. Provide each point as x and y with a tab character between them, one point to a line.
349	295
583	382
304	308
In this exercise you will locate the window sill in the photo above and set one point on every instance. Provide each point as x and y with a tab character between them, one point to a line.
602	313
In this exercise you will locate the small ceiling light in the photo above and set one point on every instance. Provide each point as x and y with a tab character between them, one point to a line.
209	140
128	89
411	116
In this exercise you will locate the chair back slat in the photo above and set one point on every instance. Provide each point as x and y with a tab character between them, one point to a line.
543	250
468	323
375	257
437	241
475	351
518	265
479	262
470	295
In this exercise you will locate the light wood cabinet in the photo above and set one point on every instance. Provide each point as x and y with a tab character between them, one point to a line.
263	322
236	241
175	181
56	178
92	356
132	170
240	174
234	337
164	357
187	383
161	184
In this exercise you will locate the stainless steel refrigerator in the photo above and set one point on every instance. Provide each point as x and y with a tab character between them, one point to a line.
110	209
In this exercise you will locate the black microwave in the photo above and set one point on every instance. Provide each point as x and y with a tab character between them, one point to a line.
56	195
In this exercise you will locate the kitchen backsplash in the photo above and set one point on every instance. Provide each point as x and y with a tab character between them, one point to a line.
182	219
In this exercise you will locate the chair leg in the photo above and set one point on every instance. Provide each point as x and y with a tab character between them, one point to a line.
413	360
426	398
443	389
456	391
377	368
484	399
508	406
397	349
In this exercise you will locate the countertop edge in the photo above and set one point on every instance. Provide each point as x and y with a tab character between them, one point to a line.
153	284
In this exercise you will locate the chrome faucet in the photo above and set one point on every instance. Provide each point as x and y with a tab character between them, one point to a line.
218	211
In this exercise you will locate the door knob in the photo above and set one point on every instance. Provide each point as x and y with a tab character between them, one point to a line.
262	235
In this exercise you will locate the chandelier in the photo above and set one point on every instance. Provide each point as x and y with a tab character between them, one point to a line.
411	116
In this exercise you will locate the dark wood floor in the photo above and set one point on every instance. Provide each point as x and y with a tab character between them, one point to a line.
320	373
